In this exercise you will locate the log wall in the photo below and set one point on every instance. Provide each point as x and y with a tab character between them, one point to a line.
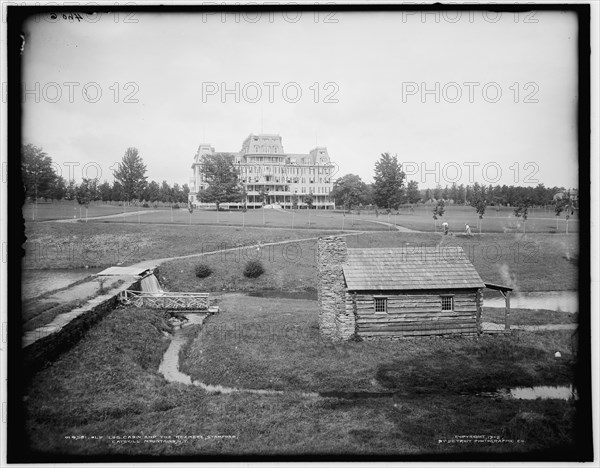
414	314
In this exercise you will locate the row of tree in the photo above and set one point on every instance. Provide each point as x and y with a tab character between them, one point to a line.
130	185
389	191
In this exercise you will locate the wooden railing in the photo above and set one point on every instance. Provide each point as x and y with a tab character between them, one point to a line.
167	300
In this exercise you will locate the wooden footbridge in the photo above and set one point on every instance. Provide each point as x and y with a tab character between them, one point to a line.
151	295
167	300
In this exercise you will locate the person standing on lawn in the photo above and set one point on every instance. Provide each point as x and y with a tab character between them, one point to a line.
445	227
468	230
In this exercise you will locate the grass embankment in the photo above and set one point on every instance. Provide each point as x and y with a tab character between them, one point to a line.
528	263
275	343
75	245
38	312
107	388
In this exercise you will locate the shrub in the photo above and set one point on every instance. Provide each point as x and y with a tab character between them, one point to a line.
203	270
145	205
175	206
253	269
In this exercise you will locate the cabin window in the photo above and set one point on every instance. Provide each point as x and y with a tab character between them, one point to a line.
380	304
447	303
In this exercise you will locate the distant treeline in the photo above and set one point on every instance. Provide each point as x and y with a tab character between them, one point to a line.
40	181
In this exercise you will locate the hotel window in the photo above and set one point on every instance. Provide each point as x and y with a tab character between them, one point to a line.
380	304
447	302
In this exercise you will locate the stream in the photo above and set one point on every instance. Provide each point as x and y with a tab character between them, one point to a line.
559	301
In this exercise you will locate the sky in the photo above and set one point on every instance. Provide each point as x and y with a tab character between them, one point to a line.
476	97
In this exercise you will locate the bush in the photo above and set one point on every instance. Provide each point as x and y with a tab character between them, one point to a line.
175	206
145	205
203	270
253	269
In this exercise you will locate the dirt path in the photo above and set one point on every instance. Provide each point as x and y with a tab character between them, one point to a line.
393	226
91	218
156	262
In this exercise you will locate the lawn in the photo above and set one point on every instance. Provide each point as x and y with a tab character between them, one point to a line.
107	388
298	219
500	221
530	262
45	211
76	245
252	342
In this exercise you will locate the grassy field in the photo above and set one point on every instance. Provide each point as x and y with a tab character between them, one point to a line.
253	341
298	219
72	210
119	360
494	221
530	262
107	386
75	245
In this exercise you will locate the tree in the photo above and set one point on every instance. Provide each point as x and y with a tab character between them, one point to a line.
87	192
71	190
131	173
165	192
295	201
389	180
59	190
153	192
568	209
349	191
185	193
177	194
453	193
412	192
438	210
309	200
564	203
116	191
263	194
38	172
104	191
480	205
521	209
468	194
428	195
445	193
461	194
222	179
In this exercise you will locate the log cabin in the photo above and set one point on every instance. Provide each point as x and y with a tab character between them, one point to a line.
395	293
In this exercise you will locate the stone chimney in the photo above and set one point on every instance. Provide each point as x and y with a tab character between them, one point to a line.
334	320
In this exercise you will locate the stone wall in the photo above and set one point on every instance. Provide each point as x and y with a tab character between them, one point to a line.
336	315
43	345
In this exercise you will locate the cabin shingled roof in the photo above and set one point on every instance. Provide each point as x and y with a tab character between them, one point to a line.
410	269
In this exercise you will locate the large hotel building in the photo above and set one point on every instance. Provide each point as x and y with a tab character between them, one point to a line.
272	176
